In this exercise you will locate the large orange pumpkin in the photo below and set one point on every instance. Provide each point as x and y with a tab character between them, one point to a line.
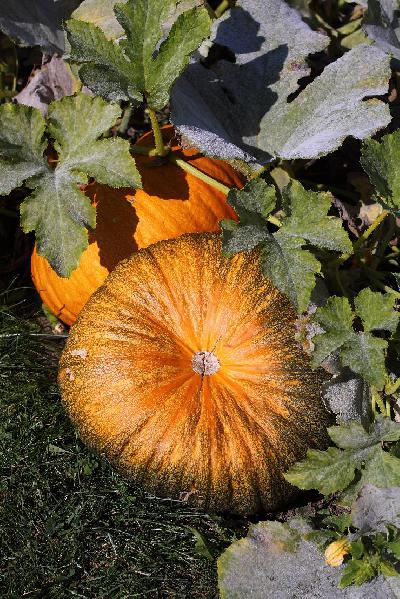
183	369
172	202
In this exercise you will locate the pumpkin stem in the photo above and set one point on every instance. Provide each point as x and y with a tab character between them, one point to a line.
189	168
161	150
205	363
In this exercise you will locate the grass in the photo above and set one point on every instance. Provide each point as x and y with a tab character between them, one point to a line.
70	526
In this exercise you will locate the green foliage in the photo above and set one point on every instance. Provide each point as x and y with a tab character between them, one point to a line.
359	459
380	161
363	352
136	68
285	260
57	210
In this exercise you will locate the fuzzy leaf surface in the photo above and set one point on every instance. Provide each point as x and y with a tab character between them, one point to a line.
36	23
359	450
241	111
381	24
57	209
275	561
22	145
375	508
380	161
284	259
139	65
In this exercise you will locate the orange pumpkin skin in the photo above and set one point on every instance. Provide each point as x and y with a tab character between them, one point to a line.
128	380
171	203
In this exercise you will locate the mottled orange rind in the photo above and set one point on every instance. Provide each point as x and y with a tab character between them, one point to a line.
127	380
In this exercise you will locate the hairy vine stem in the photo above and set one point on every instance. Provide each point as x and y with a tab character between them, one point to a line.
160	148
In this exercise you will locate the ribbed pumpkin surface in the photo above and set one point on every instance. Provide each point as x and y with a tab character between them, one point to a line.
171	203
128	382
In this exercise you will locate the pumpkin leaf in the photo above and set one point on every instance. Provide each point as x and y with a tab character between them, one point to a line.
381	24
241	110
139	66
380	161
37	23
57	209
358	451
291	267
376	311
276	560
375	508
22	145
361	351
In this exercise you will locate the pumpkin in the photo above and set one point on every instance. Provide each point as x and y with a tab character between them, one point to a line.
183	369
172	202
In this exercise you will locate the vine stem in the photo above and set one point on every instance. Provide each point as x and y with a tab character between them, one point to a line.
221	8
189	168
158	139
361	239
123	127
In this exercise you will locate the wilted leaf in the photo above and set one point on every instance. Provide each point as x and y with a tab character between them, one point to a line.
52	82
139	65
380	161
57	209
241	110
36	22
381	23
360	450
375	508
274	561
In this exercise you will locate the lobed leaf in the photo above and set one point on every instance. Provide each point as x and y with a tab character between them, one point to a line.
57	209
376	311
284	259
360	450
143	65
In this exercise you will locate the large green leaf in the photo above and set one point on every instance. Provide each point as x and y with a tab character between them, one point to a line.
145	64
334	469
243	110
380	160
376	311
284	259
57	209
